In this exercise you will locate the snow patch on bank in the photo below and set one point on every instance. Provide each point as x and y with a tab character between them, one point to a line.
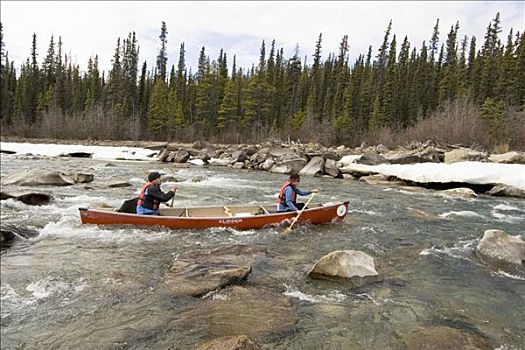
98	152
463	172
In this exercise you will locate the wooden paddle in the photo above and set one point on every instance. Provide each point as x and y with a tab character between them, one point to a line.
289	228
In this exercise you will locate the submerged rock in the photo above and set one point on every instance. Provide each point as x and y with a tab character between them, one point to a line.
239	310
442	337
461	192
196	273
236	342
498	249
354	265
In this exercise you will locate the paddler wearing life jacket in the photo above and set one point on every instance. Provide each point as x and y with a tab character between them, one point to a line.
151	195
286	201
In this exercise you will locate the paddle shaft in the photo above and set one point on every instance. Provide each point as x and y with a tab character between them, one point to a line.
289	228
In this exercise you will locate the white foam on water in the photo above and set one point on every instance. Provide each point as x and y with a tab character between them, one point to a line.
462	213
222	230
10	300
13	204
506	207
508	275
334	297
362	211
460	250
46	287
507	218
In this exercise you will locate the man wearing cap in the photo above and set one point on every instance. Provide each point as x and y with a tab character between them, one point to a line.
151	195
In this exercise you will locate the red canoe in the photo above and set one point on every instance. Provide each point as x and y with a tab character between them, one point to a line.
237	217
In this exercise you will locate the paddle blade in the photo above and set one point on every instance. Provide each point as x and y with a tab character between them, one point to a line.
286	230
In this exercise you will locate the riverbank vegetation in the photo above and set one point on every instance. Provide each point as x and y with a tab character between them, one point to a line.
463	90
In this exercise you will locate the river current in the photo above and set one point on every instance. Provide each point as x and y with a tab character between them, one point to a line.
89	287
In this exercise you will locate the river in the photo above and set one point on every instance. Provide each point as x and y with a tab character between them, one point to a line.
88	287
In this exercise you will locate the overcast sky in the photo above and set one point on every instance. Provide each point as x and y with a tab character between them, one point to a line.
89	28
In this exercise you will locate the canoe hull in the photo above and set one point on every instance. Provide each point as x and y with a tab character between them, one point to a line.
318	215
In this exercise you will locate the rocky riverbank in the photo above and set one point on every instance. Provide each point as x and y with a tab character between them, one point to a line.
366	163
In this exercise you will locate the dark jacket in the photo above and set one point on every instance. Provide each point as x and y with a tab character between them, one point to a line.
153	196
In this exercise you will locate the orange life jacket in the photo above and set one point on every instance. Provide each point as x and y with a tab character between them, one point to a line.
143	193
281	199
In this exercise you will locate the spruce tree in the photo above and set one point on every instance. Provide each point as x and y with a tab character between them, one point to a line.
162	57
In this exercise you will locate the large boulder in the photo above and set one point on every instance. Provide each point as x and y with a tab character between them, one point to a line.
181	156
414	156
500	249
30	198
81	178
9	233
77	155
41	177
163	155
508	158
259	157
239	310
314	168
371	159
201	144
354	265
331	168
464	155
250	150
205	155
198	272
506	191
238	156
267	164
446	338
235	342
289	166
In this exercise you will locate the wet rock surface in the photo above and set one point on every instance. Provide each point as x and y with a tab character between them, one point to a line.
499	249
237	342
241	310
198	272
354	265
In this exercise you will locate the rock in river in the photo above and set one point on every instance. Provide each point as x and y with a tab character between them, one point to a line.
354	265
498	249
239	310
30	198
198	272
236	342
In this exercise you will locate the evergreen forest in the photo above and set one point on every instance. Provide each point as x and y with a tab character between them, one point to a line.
449	89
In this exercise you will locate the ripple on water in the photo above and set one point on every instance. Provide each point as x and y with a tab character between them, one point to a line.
462	213
332	297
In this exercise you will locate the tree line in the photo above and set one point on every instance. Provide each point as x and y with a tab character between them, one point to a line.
331	100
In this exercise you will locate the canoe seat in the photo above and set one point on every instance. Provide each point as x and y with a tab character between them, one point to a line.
227	211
